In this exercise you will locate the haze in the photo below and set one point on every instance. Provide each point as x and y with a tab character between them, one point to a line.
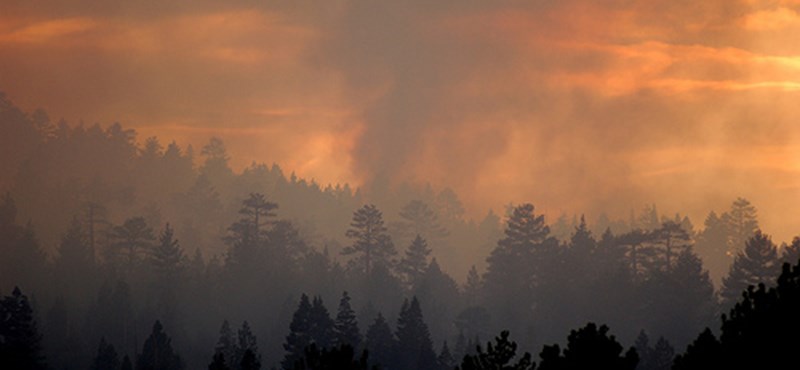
576	107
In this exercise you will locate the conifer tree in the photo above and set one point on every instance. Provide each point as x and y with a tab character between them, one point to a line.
415	261
512	273
372	245
247	344
250	361
299	333
346	325
445	359
757	263
414	345
741	222
226	346
126	363
167	256
499	355
791	252
380	342
20	341
157	352
106	358
218	363
322	326
131	240
417	218
589	347
473	286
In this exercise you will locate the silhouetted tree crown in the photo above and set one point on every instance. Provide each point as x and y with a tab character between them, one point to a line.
500	355
588	348
372	244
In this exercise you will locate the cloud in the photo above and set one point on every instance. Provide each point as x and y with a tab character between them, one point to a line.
579	107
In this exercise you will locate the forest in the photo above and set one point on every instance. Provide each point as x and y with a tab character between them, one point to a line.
120	252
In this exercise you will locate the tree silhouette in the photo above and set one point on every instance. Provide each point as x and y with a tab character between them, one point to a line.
380	341
322	326
757	263
416	218
346	325
157	353
131	239
712	246
704	353
218	363
511	275
20	341
250	361
337	358
499	356
741	222
588	348
226	347
445	359
107	358
791	252
246	355
414	345
659	357
257	210
372	245
299	333
670	240
415	261
167	255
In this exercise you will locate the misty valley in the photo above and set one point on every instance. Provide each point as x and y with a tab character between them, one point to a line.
116	254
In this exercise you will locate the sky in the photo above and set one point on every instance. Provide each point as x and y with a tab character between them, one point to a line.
575	106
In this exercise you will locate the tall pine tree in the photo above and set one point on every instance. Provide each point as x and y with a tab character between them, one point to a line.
346	325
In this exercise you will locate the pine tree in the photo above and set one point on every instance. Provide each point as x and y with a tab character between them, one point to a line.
247	344
473	286
445	359
75	261
250	361
416	218
712	246
757	263
741	222
131	239
226	347
589	348
299	333
107	358
669	241
167	256
157	353
498	356
346	325
20	341
372	245
380	342
511	275
218	363
415	262
791	253
126	363
322	326
414	345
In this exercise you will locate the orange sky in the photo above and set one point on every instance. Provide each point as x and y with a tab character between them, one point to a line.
574	106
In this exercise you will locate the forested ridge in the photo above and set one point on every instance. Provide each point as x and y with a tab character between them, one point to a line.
116	254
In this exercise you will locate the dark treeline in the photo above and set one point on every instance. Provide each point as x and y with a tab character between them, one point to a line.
129	256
